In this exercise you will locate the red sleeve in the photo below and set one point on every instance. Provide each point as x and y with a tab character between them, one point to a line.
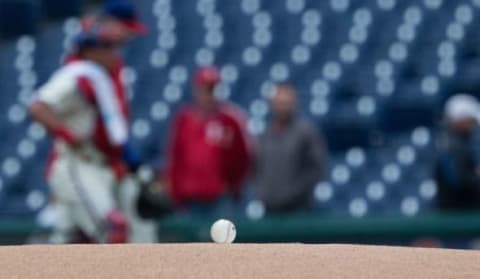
86	89
174	152
238	159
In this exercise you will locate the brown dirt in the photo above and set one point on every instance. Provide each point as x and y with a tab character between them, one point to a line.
174	261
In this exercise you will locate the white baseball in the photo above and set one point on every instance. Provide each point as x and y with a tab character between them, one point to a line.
223	231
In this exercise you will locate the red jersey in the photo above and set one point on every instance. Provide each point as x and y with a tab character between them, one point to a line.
208	153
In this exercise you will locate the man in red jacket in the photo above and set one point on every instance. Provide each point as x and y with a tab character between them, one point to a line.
208	155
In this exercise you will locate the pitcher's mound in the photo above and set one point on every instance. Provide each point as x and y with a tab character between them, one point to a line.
172	261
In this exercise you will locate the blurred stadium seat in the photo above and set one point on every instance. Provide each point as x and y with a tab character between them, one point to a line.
372	74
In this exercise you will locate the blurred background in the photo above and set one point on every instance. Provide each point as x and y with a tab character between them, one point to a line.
372	75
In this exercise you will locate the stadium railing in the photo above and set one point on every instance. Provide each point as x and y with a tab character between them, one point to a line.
296	228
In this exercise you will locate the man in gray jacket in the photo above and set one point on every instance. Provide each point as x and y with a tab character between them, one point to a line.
291	156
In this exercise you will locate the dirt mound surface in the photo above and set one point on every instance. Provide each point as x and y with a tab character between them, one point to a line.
182	261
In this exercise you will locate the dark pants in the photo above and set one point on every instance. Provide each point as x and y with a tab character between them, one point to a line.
462	198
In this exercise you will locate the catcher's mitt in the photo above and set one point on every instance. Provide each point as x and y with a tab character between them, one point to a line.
153	202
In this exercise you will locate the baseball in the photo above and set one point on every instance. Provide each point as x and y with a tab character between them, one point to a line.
223	231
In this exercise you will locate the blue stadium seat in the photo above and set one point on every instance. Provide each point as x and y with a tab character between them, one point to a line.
467	78
408	109
369	73
346	128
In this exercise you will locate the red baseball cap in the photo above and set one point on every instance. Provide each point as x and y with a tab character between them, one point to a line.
207	76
